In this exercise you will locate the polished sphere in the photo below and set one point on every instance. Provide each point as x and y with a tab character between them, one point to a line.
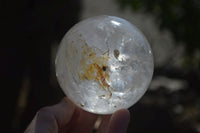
104	64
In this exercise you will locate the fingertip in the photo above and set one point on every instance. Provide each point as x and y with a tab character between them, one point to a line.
119	121
124	114
66	100
64	110
56	116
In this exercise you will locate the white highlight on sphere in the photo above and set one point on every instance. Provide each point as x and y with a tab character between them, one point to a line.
104	64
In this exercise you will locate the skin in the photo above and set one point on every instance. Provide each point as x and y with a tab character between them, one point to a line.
65	117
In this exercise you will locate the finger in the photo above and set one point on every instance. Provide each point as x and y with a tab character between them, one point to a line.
31	127
104	124
119	122
50	119
85	122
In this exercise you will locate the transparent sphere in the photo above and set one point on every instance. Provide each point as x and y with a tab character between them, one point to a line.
103	64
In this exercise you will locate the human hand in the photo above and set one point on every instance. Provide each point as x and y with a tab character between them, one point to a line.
65	117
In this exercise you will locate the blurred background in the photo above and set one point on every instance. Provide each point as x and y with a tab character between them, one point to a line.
31	31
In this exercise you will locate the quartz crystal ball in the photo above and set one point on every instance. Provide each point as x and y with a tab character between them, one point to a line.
104	64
